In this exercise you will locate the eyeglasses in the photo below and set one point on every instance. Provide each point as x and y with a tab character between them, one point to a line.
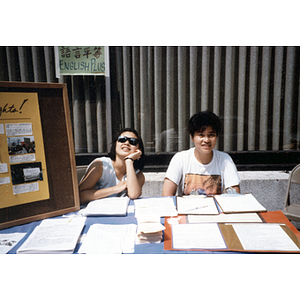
132	141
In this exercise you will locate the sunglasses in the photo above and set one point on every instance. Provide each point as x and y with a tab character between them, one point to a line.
132	141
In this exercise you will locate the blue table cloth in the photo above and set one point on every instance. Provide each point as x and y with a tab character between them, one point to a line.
152	248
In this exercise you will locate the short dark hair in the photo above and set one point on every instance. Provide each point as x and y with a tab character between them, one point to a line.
201	120
138	164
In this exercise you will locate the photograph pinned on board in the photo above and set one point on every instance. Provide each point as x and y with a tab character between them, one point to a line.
28	172
21	145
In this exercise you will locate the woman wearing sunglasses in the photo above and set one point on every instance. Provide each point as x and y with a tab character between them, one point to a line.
120	174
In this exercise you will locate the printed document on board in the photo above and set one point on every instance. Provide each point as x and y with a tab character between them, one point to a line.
197	236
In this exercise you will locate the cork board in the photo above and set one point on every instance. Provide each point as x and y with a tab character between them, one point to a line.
23	170
58	149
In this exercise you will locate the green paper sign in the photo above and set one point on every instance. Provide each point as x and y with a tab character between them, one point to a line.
81	60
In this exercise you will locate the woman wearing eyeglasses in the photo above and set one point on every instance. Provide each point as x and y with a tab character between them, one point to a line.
120	174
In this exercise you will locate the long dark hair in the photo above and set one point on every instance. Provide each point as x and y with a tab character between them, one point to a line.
138	164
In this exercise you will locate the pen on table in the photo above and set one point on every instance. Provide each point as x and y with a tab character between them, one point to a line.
198	207
71	218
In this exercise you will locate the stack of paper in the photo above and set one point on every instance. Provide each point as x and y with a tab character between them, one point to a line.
159	207
109	239
54	236
196	205
111	206
233	203
149	231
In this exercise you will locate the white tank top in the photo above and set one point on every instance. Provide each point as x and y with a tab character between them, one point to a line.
109	177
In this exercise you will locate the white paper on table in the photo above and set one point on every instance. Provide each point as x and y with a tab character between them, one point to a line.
225	218
54	236
231	203
265	236
150	227
151	238
148	219
197	236
111	206
9	240
101	243
162	207
130	209
198	205
72	220
109	239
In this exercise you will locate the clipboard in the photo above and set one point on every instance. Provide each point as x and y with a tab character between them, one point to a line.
230	237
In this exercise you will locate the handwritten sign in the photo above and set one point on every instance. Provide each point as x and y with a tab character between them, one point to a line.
81	60
10	108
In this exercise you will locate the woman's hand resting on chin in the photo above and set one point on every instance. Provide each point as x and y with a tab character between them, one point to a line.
135	155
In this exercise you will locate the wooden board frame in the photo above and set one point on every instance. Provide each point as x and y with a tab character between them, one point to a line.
59	155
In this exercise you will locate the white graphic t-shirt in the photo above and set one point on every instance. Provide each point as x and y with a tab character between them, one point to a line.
189	174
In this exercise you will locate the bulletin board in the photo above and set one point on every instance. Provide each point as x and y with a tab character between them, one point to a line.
38	176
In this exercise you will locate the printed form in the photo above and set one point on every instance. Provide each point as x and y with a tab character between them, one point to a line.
109	239
54	236
110	206
162	207
197	205
231	203
264	236
225	218
197	236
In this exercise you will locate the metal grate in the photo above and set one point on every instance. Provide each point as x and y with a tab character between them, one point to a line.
255	91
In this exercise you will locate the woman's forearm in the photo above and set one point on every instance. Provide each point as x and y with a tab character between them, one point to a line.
134	185
92	194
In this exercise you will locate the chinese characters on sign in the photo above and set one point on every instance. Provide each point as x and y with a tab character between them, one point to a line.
81	60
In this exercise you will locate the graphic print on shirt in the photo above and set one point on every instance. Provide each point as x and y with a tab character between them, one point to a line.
208	184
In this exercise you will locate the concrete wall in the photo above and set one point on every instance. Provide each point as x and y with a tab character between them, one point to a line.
269	188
